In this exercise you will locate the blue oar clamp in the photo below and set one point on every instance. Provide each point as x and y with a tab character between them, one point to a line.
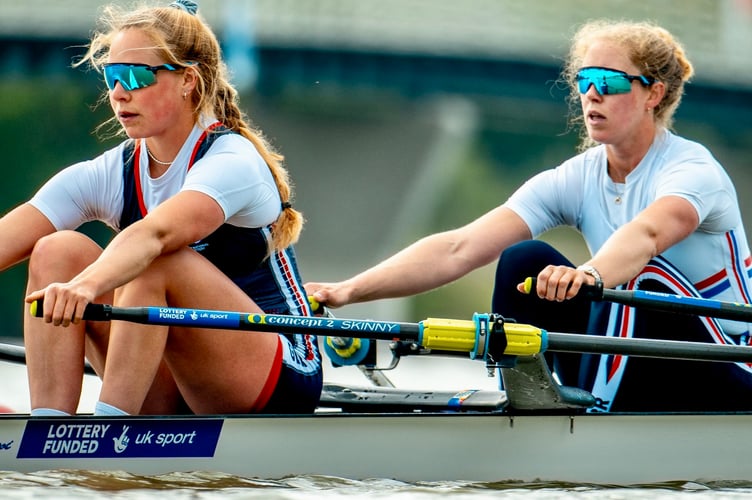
481	336
491	342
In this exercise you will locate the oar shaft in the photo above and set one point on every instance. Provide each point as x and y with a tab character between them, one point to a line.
680	304
17	354
278	323
650	348
13	353
665	302
472	337
480	338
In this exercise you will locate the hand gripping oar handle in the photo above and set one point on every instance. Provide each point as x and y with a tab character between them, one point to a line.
487	337
664	302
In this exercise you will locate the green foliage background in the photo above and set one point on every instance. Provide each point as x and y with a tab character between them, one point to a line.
42	128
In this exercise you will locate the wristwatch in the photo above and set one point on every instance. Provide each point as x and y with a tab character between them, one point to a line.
591	271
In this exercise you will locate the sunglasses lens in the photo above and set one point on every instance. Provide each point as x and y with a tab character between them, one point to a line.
130	76
583	84
606	81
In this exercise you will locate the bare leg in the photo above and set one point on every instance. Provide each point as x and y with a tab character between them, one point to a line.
216	371
134	354
164	397
55	355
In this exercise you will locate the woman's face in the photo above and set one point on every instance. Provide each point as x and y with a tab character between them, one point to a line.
153	110
613	119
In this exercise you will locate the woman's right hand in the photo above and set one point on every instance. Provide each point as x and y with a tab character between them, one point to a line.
557	283
64	303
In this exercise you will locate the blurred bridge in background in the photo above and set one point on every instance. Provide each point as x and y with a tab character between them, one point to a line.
716	33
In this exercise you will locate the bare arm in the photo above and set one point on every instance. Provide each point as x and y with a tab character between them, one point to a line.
179	221
20	229
664	223
430	262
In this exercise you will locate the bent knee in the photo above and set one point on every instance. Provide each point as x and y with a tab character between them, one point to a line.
61	255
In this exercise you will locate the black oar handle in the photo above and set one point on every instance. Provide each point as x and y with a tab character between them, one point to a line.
93	312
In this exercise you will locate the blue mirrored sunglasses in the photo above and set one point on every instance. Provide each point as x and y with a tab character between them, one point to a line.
133	76
608	81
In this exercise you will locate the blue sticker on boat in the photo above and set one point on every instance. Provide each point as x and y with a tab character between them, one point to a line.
193	317
455	402
120	438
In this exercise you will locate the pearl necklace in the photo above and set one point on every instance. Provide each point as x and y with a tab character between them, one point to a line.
619	193
164	163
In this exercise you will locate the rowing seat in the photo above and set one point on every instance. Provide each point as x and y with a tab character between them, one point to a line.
393	400
529	386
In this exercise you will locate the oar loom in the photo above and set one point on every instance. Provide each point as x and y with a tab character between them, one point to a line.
487	337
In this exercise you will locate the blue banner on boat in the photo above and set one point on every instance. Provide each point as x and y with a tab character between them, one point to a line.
120	438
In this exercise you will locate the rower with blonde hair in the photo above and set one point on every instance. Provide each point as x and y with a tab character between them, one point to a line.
657	211
202	207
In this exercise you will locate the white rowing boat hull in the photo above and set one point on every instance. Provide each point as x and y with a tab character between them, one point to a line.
586	448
